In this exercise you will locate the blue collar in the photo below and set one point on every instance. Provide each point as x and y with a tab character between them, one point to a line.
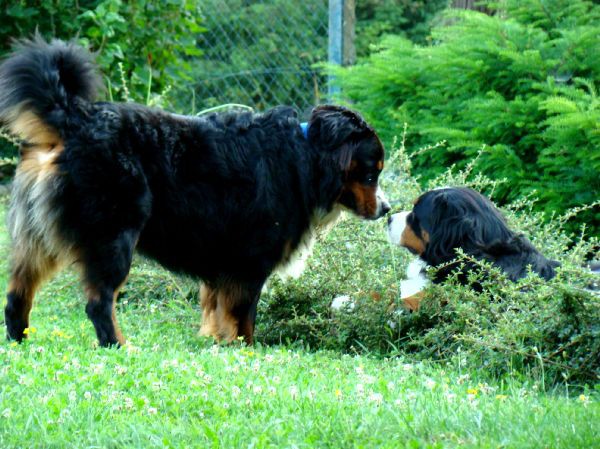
304	127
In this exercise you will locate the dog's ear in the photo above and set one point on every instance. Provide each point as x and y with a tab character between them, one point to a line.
337	130
469	222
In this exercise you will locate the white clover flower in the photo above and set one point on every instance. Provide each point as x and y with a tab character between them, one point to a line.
430	383
462	378
377	398
360	389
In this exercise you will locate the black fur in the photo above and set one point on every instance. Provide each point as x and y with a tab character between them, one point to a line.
224	198
48	79
463	218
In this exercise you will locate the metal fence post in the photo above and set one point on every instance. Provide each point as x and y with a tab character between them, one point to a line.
341	38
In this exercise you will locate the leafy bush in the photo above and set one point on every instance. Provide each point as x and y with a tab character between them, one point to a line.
523	83
550	330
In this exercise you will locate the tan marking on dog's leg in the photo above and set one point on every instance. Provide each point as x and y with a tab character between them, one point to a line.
228	297
30	269
208	303
413	303
105	321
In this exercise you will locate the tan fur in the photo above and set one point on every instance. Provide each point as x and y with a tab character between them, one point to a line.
410	240
30	128
93	296
32	222
365	197
413	302
37	249
217	318
28	272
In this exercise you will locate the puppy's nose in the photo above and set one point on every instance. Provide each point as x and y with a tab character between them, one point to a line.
385	208
389	220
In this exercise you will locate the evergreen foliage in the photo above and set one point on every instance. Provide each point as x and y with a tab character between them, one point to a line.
521	84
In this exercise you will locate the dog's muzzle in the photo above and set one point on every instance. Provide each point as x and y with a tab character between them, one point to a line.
383	206
396	225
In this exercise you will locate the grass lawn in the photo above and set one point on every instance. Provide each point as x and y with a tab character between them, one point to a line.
170	388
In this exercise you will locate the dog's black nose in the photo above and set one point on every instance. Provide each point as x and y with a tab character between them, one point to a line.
389	220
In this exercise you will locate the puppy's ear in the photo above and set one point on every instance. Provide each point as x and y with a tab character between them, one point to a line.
337	130
464	221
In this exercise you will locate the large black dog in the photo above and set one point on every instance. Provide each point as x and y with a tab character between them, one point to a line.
447	219
226	198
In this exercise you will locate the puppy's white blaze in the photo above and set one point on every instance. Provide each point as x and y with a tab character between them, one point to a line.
411	287
396	227
382	201
416	279
415	268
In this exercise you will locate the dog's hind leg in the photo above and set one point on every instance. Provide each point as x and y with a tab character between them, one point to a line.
106	266
208	303
229	310
29	270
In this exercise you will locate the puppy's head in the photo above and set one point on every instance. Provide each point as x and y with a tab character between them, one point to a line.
357	154
445	219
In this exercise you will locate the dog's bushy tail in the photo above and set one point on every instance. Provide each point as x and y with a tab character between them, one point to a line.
40	85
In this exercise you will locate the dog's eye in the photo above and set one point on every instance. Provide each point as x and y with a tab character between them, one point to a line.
371	178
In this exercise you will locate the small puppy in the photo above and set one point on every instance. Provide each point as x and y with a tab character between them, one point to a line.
446	219
226	198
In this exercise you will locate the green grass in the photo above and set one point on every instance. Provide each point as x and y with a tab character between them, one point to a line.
171	388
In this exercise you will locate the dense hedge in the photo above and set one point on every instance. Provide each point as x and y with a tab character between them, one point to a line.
522	85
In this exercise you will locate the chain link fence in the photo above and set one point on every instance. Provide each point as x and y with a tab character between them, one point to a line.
262	53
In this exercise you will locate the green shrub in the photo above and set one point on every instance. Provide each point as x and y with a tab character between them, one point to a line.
125	36
548	330
523	83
